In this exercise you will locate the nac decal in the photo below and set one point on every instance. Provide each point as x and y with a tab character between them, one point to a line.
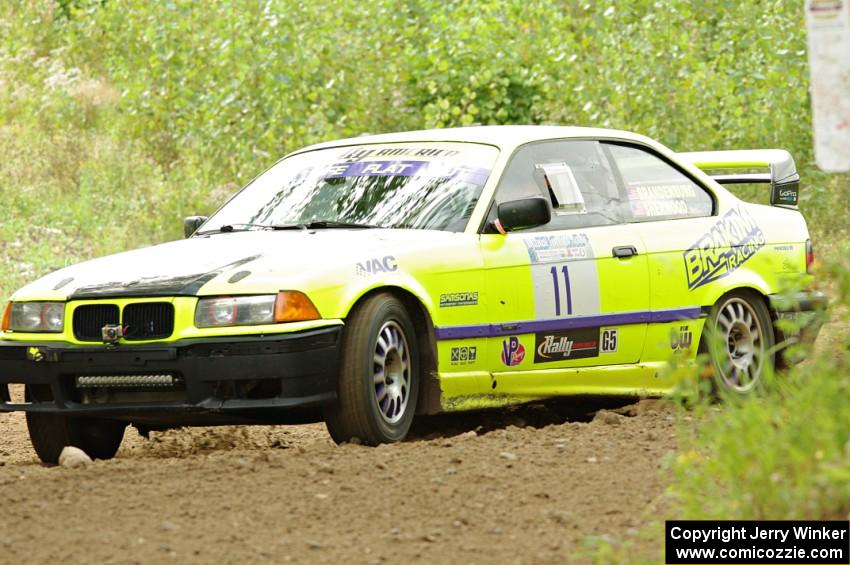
732	241
369	267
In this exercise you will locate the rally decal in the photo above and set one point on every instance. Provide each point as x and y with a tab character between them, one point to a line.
564	276
513	352
732	241
567	345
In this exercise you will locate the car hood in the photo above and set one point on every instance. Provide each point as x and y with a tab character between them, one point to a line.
184	267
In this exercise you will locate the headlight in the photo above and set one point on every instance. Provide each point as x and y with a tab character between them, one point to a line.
287	306
34	317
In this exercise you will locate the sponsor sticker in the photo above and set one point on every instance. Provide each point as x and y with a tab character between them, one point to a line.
563	345
561	247
513	352
369	267
788	195
609	339
464	355
733	240
458	299
681	340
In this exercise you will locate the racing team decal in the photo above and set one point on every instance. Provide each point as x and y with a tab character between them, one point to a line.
513	352
732	240
563	345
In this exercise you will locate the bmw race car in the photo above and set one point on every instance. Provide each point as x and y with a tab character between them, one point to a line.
367	280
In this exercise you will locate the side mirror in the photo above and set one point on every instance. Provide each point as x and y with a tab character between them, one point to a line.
191	224
525	213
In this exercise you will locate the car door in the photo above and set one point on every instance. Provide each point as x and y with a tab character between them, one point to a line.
670	213
572	293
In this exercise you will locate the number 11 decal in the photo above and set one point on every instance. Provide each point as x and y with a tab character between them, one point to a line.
566	271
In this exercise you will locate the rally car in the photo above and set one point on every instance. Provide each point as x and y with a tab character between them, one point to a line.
366	280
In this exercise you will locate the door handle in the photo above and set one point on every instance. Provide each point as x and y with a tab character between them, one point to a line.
624	251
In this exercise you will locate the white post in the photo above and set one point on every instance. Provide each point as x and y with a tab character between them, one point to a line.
829	64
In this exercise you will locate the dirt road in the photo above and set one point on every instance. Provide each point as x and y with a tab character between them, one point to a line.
523	486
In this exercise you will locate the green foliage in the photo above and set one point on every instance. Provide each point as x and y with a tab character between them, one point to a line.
786	453
118	117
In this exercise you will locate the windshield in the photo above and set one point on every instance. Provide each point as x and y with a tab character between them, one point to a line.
400	185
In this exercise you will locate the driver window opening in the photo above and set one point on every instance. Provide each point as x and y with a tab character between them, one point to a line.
576	178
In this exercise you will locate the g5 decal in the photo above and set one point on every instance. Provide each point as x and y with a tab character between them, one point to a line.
609	340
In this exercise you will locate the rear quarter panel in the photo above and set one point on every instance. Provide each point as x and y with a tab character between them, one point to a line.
694	262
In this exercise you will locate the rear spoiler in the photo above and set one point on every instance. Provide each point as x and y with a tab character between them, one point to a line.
736	167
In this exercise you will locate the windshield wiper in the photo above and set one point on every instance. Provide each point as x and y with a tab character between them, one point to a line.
312	225
330	224
230	228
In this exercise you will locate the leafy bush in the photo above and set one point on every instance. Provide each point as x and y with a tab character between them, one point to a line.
118	117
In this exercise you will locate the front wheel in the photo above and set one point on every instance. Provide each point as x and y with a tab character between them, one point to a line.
740	341
379	374
49	433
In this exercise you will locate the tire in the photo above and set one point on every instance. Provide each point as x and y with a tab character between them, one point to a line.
379	375
740	340
49	433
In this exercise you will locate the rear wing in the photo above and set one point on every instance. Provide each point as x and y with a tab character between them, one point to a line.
737	167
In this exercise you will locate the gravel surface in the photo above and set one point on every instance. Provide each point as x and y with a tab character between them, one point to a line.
528	485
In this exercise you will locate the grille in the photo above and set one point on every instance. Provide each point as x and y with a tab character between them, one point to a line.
89	320
148	320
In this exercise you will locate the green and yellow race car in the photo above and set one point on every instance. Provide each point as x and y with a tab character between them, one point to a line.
366	280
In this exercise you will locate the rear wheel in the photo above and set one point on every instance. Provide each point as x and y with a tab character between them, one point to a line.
49	433
379	374
740	341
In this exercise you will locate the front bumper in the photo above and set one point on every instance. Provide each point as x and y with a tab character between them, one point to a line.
799	316
215	380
